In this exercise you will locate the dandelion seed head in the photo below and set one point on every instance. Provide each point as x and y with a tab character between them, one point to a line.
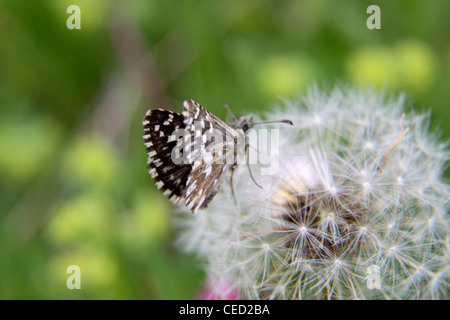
352	191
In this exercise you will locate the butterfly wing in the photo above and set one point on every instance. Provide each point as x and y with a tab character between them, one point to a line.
203	183
206	161
159	127
207	156
195	112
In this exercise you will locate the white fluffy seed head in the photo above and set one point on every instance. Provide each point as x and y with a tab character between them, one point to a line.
357	209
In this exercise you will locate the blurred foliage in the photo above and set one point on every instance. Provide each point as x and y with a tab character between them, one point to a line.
74	188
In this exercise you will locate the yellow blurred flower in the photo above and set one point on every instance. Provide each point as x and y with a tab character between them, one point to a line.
418	65
98	273
147	222
285	75
27	147
85	219
91	161
408	65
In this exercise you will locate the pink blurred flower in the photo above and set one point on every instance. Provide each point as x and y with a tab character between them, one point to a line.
216	289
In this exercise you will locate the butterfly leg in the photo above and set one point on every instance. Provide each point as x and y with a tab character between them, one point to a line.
231	184
251	176
247	146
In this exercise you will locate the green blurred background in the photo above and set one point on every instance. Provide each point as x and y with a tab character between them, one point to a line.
74	187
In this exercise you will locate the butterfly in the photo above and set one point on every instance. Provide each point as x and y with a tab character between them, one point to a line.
189	154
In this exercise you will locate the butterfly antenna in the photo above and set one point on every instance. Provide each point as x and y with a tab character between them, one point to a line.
251	176
276	121
231	184
226	106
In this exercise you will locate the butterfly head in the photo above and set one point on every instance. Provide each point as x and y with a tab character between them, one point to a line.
245	123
